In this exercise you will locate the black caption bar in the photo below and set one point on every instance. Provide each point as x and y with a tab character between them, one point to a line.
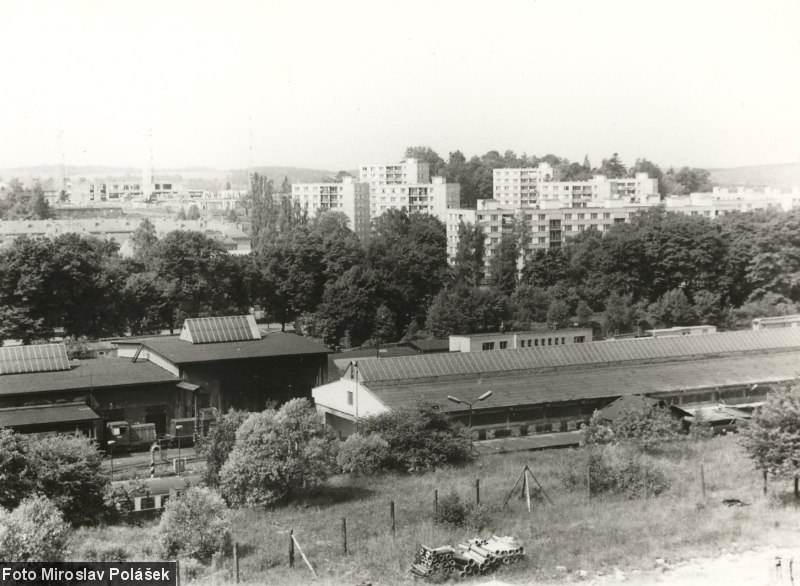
88	574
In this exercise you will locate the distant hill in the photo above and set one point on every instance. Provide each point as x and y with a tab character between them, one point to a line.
783	175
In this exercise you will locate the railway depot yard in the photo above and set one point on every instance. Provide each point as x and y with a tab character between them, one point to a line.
605	538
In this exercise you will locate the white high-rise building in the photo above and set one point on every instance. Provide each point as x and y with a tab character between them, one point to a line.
348	197
406	171
423	198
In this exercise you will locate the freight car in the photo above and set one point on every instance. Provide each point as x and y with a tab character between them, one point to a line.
151	495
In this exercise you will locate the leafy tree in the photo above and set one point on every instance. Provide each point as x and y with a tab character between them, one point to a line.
231	216
673	309
467	310
775	266
428	155
468	264
385	330
16	476
348	308
613	168
503	264
216	446
584	313
70	281
618	317
277	455
769	305
193	213
195	524
648	427
144	239
530	304
545	268
286	186
772	437
558	315
708	308
181	215
421	440
203	278
35	531
409	256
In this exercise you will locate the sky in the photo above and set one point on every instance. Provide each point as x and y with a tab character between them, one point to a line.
331	85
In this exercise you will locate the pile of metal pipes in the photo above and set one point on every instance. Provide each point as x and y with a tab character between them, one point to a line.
430	560
481	556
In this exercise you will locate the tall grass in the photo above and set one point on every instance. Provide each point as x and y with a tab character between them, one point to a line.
596	534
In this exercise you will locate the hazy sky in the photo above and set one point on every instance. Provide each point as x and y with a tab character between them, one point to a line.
333	84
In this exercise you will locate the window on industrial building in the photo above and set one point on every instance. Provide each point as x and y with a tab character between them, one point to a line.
349	397
503	345
536	342
549	341
578	339
563	341
556	341
487	346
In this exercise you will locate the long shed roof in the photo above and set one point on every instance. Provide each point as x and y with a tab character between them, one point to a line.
523	389
457	365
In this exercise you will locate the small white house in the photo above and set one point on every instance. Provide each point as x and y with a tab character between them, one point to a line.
344	402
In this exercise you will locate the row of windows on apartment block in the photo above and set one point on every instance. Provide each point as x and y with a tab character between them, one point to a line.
533	342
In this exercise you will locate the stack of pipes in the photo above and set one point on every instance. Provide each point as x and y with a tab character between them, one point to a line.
481	556
429	560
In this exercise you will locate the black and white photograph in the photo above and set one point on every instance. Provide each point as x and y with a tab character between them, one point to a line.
394	293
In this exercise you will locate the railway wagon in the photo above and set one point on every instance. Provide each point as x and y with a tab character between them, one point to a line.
148	497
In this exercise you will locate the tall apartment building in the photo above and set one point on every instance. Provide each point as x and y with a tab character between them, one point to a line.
348	197
406	171
520	186
425	198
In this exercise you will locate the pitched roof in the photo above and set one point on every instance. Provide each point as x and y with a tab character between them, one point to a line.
212	330
634	404
40	414
566	385
272	344
34	358
85	374
457	365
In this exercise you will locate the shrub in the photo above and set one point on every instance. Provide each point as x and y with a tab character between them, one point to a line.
452	510
598	431
34	531
363	454
68	470
16	477
648	427
618	470
421	440
278	454
217	445
107	553
700	428
196	524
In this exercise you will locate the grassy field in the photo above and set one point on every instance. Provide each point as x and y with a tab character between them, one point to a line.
596	535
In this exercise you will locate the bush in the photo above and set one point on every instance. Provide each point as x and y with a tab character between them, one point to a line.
363	454
598	431
66	468
107	553
217	445
16	477
34	532
618	470
278	454
454	512
196	524
421	440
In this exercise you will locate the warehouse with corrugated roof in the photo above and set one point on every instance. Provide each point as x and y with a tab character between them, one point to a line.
558	388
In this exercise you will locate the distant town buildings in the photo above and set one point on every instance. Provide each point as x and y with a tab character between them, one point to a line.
407	171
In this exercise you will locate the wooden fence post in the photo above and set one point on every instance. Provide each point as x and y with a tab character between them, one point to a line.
344	535
765	483
391	512
236	561
177	572
291	548
702	480
477	491
435	503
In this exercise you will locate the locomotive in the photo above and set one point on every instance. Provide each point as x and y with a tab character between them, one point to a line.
134	436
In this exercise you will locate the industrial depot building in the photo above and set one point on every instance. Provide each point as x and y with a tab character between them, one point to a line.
220	362
553	388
